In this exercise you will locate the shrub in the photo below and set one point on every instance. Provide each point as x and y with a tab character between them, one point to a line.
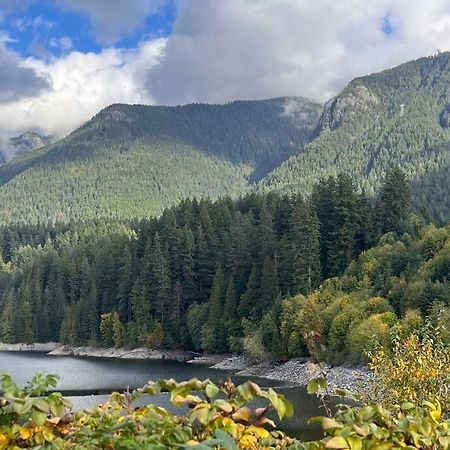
377	427
414	369
218	417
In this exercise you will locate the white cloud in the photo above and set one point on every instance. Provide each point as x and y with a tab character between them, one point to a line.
82	84
223	50
220	51
110	19
64	43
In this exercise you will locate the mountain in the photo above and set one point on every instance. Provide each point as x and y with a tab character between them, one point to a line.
30	140
25	142
398	117
134	160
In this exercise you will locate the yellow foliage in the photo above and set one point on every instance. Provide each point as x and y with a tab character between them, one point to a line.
415	370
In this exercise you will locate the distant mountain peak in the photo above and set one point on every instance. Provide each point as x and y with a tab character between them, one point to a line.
24	143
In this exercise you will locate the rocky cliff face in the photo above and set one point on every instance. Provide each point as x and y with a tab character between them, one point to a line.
344	108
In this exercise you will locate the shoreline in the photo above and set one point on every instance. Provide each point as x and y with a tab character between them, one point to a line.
298	371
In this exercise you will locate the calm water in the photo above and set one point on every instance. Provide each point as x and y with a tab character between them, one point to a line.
86	381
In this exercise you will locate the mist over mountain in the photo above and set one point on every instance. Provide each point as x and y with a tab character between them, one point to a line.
23	143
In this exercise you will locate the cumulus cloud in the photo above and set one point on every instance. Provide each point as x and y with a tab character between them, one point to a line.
223	50
219	51
19	79
82	84
111	19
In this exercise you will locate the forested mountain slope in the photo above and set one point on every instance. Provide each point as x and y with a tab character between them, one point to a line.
398	117
133	160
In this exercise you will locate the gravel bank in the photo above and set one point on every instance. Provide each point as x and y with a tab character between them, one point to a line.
40	347
299	371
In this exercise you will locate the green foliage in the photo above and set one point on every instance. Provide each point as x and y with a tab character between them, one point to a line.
218	417
396	282
226	276
29	419
383	427
111	330
184	280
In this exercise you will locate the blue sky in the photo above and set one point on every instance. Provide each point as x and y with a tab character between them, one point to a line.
46	29
61	61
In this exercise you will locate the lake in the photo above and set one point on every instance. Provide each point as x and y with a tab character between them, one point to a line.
87	381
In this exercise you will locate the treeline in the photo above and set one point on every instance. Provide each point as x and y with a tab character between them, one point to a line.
202	276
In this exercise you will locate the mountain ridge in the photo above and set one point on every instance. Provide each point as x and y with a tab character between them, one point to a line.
397	117
132	161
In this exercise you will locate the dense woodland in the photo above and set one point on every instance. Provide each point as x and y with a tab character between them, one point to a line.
134	161
206	274
143	227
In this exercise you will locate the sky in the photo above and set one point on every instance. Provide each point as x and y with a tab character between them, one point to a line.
61	61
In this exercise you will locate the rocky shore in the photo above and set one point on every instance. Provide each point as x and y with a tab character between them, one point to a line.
38	347
123	353
299	371
296	371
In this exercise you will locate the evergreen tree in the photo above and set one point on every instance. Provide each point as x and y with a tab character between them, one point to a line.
393	202
269	290
304	240
250	298
125	285
230	314
213	333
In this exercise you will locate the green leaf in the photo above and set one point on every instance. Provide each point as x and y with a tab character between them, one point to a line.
211	390
315	385
39	417
41	404
226	441
337	442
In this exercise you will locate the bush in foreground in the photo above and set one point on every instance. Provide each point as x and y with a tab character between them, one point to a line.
217	417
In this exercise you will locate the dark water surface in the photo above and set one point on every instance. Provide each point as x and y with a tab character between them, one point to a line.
87	381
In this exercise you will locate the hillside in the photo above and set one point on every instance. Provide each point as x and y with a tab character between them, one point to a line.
399	117
134	161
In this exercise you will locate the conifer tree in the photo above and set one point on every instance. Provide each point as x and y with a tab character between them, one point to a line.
124	285
393	202
304	240
269	290
213	333
230	315
252	294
